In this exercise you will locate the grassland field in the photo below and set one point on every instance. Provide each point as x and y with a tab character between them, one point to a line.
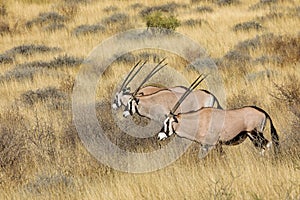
255	45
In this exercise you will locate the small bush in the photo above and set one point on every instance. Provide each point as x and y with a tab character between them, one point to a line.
45	19
128	57
13	138
118	18
289	94
199	1
18	74
167	8
88	29
60	61
136	6
26	50
148	56
68	9
67	84
201	63
5	59
111	9
270	16
3	10
247	26
203	9
4	28
249	44
157	20
54	27
263	4
44	183
30	49
66	60
226	2
236	57
194	22
41	95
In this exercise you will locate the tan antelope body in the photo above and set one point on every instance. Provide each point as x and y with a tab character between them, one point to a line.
123	97
157	105
211	127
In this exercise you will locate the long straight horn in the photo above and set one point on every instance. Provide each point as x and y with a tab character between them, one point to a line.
153	71
137	71
187	92
127	80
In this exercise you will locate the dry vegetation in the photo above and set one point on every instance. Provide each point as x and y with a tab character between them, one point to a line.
256	46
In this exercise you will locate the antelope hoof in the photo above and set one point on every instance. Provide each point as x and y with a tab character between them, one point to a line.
203	152
161	136
269	145
114	106
126	114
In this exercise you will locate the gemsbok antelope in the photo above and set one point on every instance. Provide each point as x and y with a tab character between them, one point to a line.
157	105
124	93
213	127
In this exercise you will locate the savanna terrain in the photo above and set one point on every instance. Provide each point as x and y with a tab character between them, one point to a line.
256	48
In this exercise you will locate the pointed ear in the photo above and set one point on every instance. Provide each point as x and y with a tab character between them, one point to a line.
136	100
175	119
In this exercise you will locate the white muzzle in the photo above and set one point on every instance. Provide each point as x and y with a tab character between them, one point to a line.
162	136
126	113
114	106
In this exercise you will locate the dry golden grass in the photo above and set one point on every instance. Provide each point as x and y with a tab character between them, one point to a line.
41	156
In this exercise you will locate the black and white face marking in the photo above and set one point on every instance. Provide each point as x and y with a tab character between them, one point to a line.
118	98
117	101
130	108
168	128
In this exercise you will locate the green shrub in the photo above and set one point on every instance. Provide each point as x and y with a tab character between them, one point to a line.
161	22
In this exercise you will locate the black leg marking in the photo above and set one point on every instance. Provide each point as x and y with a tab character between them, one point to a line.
258	139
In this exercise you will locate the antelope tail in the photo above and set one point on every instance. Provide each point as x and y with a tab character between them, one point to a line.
274	135
217	101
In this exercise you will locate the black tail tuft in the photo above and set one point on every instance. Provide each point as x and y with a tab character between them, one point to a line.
275	138
274	135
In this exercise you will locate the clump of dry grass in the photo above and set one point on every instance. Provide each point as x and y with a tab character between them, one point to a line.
290	95
203	9
166	8
136	6
111	9
282	49
67	84
118	18
263	4
194	22
19	74
247	26
69	8
59	61
44	183
4	28
88	29
5	59
46	19
3	10
30	49
117	22
227	2
43	95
